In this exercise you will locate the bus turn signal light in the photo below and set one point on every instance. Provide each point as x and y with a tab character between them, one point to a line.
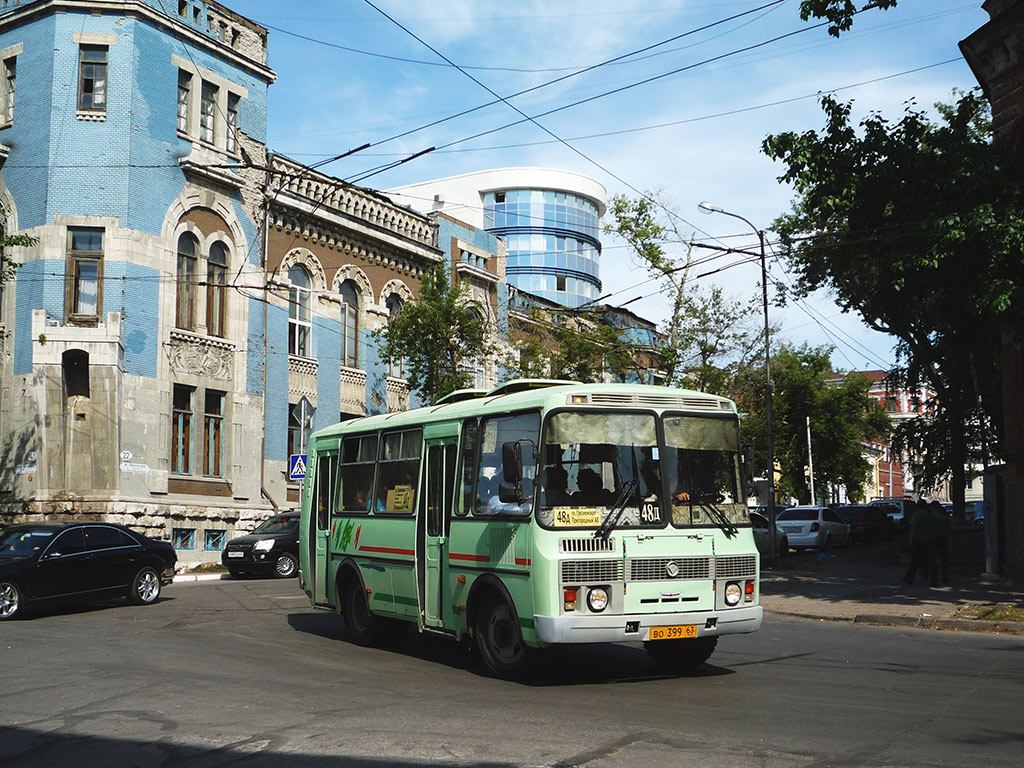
570	599
748	591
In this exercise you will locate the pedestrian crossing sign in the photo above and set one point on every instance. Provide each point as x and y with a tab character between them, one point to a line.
297	466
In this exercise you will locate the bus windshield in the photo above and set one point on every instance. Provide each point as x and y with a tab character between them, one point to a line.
701	464
596	462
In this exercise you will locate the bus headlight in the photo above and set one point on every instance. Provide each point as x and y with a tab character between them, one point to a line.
733	593
597	599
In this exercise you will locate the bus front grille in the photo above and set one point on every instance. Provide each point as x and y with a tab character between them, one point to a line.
588	544
738	567
663	568
591	571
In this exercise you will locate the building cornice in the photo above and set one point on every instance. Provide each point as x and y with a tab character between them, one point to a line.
141	10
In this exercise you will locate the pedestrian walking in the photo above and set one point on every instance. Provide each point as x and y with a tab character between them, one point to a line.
922	544
941	528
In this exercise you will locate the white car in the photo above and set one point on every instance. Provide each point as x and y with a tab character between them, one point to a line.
818	527
759	524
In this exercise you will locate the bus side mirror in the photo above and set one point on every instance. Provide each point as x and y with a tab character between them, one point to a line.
510	491
748	469
512	462
748	463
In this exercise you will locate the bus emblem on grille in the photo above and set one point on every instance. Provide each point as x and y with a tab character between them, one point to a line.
672	569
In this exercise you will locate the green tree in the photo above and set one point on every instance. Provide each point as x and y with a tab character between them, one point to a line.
839	12
708	334
842	417
9	267
917	227
438	334
575	346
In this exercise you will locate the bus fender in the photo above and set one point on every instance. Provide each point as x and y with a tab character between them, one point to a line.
486	584
348	569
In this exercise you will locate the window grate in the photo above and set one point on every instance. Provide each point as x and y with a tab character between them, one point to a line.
591	571
661	401
663	568
736	567
589	544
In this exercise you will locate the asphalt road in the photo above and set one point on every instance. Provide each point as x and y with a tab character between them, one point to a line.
245	673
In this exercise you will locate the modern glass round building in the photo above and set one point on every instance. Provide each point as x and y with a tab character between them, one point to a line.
548	218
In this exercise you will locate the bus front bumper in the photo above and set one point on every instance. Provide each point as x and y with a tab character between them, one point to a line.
617	628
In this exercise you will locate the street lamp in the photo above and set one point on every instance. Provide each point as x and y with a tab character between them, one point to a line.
708	208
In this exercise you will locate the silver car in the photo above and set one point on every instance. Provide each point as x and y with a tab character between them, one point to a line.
818	527
759	525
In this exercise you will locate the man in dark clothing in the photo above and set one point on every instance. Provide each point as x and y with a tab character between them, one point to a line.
922	543
941	527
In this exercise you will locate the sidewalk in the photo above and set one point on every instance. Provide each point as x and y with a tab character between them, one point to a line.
864	585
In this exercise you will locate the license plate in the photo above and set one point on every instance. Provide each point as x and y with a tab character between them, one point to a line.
673	633
236	554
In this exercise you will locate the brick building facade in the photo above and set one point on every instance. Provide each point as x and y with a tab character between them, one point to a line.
995	53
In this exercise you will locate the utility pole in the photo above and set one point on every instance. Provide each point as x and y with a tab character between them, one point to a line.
773	544
810	459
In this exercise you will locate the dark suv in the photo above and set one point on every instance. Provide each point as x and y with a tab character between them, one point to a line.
868	522
273	548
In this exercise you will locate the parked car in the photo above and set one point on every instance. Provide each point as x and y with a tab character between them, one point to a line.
904	509
273	548
977	512
868	522
817	527
759	524
79	562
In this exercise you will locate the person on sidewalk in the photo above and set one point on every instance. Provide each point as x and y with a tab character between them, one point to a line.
922	544
941	528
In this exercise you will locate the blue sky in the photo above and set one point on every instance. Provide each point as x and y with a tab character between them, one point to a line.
328	100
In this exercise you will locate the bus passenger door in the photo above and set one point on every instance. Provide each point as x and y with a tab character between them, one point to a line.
320	524
433	523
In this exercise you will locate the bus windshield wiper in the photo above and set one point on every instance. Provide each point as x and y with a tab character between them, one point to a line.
720	517
609	523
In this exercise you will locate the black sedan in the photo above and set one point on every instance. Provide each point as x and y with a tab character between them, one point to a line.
273	548
79	562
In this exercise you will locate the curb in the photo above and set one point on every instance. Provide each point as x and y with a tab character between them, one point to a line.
916	622
190	577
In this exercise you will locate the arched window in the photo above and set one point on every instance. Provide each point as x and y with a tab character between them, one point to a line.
75	370
188	252
394	307
299	311
216	289
349	324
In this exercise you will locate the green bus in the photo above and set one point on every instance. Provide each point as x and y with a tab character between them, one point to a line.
538	513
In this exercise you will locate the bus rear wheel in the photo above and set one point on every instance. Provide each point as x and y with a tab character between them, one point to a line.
500	640
361	624
681	657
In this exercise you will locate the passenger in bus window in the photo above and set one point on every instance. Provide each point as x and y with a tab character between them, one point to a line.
591	489
359	503
556	487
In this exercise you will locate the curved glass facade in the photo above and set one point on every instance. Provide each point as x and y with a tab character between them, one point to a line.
552	238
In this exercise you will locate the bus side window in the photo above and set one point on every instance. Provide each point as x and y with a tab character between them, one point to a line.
494	432
355	478
469	456
399	472
325	469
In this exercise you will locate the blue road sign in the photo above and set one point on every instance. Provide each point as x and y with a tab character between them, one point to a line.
297	466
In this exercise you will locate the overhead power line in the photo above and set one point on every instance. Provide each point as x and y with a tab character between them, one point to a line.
499	99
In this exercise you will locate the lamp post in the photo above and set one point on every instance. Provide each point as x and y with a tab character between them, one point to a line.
773	548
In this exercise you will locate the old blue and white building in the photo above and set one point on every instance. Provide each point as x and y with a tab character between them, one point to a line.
193	305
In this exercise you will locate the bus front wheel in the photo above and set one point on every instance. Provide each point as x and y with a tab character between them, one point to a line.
681	656
500	640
